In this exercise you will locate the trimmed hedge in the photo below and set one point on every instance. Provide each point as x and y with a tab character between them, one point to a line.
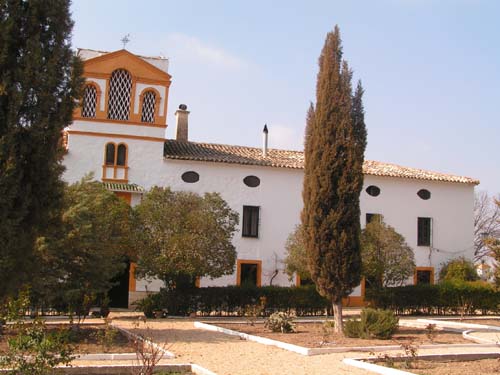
443	298
233	300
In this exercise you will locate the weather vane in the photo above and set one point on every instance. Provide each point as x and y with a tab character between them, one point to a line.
125	40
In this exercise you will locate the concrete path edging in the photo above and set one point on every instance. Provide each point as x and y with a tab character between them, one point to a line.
372	367
319	351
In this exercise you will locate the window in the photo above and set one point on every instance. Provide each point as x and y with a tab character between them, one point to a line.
423	275
120	86
251	181
110	154
424	231
249	272
303	282
89	101
250	221
190	177
121	156
373	190
424	194
373	217
148	107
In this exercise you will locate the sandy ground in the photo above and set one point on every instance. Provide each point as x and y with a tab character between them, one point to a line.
226	355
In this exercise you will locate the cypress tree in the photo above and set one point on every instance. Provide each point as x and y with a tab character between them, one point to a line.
333	179
40	82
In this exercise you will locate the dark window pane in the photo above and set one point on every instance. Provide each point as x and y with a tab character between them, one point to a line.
423	277
307	281
424	194
110	154
373	190
424	231
250	221
190	177
251	181
248	274
122	155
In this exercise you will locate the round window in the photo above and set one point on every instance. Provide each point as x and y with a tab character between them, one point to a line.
190	177
424	194
373	190
251	181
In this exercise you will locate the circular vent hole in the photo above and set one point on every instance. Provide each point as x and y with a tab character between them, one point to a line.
190	177
424	194
251	181
373	190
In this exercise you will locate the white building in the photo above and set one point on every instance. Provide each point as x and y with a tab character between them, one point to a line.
119	134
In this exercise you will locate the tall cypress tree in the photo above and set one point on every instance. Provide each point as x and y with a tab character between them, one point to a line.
40	82
333	179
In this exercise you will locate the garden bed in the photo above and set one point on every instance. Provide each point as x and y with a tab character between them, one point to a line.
313	335
86	339
488	322
486	366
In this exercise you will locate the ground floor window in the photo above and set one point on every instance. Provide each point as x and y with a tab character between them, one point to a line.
249	272
423	275
300	281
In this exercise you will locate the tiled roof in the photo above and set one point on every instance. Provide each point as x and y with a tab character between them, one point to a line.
129	188
289	159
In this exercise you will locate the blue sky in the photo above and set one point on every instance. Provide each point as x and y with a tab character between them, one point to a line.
430	68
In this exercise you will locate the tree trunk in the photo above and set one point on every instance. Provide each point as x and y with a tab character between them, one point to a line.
337	316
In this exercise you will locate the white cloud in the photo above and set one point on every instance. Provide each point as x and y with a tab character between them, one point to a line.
188	47
285	137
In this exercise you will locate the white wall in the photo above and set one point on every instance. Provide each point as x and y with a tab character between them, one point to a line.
280	199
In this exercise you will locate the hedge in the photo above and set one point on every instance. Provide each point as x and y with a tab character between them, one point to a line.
234	300
466	298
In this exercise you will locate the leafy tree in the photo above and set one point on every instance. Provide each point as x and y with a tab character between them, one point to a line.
459	269
40	82
493	245
387	258
181	234
87	250
296	258
333	179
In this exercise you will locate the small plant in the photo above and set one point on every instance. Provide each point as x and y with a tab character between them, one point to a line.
106	337
252	312
148	354
430	332
35	351
380	324
327	330
410	350
280	322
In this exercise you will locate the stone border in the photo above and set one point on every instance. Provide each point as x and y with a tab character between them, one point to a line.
364	363
120	369
166	353
319	351
459	325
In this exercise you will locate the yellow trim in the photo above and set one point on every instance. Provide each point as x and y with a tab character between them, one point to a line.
131	277
157	118
119	122
197	281
239	262
423	269
108	135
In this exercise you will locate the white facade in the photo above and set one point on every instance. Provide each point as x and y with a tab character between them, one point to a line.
278	195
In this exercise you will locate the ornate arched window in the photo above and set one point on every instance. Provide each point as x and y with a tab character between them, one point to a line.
89	101
148	107
120	86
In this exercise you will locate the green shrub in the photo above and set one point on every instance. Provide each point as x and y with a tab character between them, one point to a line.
280	322
234	300
380	324
443	298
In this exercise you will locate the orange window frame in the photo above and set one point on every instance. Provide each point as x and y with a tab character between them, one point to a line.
115	166
431	269
239	262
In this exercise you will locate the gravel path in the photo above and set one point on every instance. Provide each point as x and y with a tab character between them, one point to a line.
226	355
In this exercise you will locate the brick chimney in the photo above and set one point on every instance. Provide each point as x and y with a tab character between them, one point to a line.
181	123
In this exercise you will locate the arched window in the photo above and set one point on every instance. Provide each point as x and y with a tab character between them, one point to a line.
110	154
89	101
121	155
148	107
116	156
120	86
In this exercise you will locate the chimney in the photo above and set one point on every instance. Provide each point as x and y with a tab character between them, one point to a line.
181	123
264	140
